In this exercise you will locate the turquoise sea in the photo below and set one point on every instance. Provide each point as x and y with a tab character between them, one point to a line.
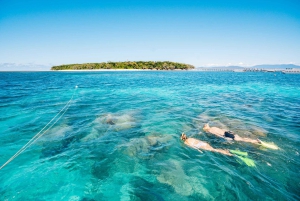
119	138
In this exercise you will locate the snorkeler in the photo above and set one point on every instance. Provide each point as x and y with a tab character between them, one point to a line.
228	134
197	144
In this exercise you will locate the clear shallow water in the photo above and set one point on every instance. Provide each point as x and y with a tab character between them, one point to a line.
119	140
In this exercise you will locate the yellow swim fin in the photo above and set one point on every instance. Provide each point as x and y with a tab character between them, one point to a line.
268	145
247	161
239	153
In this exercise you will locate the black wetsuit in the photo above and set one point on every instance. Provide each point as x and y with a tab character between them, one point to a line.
229	134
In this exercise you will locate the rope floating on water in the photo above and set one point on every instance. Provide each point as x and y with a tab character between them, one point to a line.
41	133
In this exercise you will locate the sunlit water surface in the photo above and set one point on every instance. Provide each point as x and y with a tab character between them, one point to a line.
119	139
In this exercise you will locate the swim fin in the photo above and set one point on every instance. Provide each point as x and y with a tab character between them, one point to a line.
239	153
268	145
246	160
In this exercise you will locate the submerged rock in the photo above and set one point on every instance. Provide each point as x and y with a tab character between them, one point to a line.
56	140
233	124
119	122
202	119
56	133
267	118
257	131
144	189
174	175
110	122
146	147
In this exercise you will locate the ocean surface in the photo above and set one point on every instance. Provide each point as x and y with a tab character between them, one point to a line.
119	136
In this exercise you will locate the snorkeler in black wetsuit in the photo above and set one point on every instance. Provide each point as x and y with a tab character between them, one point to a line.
229	134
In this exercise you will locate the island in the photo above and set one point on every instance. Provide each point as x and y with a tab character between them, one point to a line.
140	65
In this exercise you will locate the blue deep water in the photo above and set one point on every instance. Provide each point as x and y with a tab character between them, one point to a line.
119	138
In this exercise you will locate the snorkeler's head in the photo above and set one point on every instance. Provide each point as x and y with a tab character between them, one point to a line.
183	136
206	126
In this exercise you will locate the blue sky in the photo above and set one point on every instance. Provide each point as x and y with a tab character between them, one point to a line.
201	33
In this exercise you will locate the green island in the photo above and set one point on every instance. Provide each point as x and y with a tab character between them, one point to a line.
142	65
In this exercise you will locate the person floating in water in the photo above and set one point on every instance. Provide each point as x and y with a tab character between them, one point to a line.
228	134
198	144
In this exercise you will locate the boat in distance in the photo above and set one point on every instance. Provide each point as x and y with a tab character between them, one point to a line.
291	71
